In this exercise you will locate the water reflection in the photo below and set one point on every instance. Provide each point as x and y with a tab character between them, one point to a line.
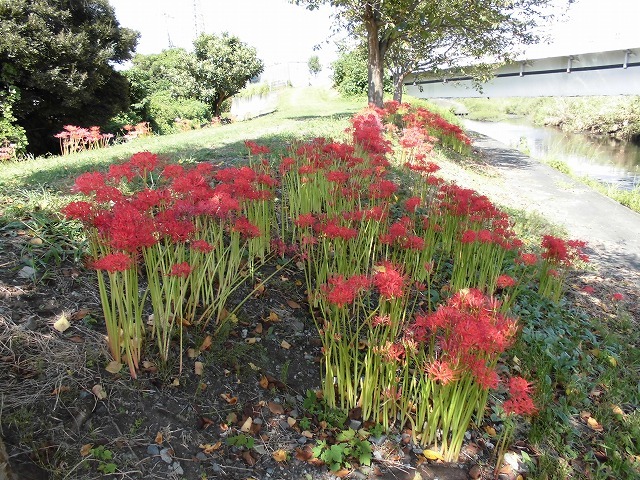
602	158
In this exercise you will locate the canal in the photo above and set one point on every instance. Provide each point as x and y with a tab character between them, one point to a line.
604	159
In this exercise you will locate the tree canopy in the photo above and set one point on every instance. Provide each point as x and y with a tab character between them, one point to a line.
223	66
420	30
59	55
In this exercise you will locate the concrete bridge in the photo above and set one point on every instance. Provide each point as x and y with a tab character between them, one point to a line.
613	72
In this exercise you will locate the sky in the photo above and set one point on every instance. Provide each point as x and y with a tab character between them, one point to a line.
282	32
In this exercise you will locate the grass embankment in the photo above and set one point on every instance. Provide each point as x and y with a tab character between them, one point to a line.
585	365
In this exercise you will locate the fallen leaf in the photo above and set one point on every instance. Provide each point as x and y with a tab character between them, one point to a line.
36	241
273	317
258	289
293	304
417	476
61	324
86	449
286	345
229	399
253	367
280	455
176	382
307	434
149	366
232	417
303	455
432	455
291	421
298	283
113	367
61	389
248	458
192	353
159	438
275	408
251	340
490	430
594	425
246	426
80	314
206	343
76	339
258	329
198	368
617	410
208	448
342	473
99	392
264	382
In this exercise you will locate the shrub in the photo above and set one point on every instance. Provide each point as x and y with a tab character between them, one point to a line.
13	139
164	110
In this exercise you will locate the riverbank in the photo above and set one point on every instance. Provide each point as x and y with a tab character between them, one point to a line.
617	117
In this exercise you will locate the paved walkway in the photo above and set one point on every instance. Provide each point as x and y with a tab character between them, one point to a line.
611	230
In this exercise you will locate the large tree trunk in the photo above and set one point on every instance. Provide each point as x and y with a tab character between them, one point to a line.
376	56
398	85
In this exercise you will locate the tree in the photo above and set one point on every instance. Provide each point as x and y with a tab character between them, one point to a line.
350	72
223	66
314	65
59	55
387	23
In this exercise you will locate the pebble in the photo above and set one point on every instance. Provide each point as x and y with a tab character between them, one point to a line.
153	450
164	455
176	468
257	421
302	440
201	456
378	440
355	424
294	413
284	424
297	326
27	272
215	468
475	472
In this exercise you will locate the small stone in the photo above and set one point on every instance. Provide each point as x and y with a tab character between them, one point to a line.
215	467
297	326
294	413
302	440
244	333
153	450
27	273
257	421
260	449
512	459
201	456
177	468
475	472
355	424
164	455
378	440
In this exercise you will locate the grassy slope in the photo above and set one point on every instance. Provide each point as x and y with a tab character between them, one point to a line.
567	352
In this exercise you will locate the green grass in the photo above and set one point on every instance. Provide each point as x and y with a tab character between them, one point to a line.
43	183
579	363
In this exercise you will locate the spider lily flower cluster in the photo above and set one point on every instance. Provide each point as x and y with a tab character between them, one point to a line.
410	286
77	139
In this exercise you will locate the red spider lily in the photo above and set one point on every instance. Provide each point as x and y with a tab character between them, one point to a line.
617	297
588	289
149	199
78	210
563	252
173	171
143	162
114	262
505	281
412	203
381	320
527	259
129	230
285	165
332	230
413	242
243	226
219	205
256	149
520	401
305	220
170	224
340	291
201	246
392	352
180	270
337	176
441	371
389	280
384	189
89	182
119	171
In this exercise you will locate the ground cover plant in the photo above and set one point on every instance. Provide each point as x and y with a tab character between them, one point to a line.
417	288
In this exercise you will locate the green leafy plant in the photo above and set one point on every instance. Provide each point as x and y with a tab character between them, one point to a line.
105	459
334	417
241	441
349	447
